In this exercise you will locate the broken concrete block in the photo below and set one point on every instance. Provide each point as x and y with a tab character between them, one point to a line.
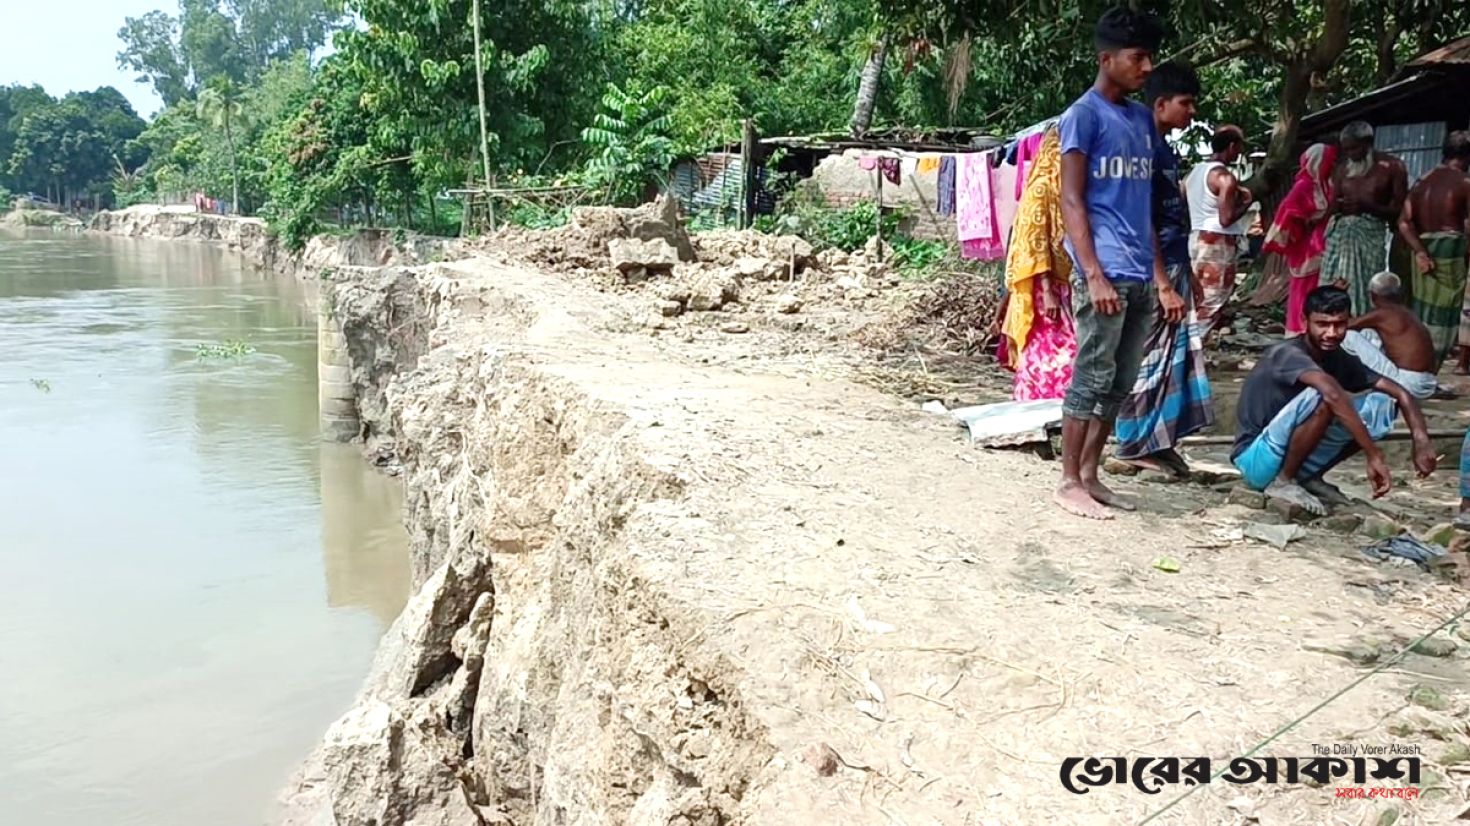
1436	647
669	309
750	267
788	304
1380	527
711	293
1341	523
1291	511
653	257
1278	535
1244	496
1441	535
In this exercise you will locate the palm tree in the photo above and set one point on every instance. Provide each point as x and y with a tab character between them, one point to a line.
220	104
867	96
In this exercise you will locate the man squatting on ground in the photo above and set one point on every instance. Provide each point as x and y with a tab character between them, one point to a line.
1107	177
1305	407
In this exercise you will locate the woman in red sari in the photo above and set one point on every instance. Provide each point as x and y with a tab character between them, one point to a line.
1299	231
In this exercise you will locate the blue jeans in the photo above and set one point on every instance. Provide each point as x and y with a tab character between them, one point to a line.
1261	462
1109	348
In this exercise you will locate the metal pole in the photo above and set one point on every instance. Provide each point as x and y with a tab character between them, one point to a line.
480	85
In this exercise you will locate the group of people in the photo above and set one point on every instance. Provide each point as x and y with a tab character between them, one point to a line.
1119	268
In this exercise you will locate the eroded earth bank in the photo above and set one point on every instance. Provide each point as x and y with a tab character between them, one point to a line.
674	566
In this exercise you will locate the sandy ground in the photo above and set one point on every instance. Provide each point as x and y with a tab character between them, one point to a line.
921	637
919	606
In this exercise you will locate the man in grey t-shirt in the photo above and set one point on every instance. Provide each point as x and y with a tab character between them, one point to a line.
1307	406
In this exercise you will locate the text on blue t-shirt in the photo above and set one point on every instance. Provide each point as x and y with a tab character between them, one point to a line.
1118	140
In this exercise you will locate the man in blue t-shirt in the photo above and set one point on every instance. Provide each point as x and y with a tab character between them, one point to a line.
1171	397
1107	197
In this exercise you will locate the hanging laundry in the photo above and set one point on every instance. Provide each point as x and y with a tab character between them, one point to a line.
1002	186
991	248
891	169
974	212
908	166
868	162
946	185
929	164
1025	151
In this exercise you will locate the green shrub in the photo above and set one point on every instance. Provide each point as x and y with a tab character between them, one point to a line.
536	216
913	257
847	228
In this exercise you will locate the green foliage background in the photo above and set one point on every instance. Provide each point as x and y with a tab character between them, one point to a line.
605	93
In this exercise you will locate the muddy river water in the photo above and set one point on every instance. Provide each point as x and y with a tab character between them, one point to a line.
191	583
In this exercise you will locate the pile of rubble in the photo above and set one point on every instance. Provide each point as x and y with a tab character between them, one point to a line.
648	250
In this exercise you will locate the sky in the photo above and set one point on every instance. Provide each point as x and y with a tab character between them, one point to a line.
71	45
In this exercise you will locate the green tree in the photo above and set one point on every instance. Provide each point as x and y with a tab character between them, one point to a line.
1263	63
238	39
150	50
220	105
630	137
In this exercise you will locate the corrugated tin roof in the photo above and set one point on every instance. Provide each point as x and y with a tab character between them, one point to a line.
1359	107
1457	51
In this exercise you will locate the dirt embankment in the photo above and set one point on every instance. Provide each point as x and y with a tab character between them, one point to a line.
250	237
676	567
39	218
666	578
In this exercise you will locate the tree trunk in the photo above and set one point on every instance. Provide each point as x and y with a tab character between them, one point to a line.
433	216
234	169
1388	37
1296	86
867	95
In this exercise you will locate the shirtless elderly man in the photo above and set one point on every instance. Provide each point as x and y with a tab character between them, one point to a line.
1371	187
1308	405
1391	341
1435	224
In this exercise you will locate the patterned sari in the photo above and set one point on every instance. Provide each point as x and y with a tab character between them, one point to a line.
1298	232
1041	350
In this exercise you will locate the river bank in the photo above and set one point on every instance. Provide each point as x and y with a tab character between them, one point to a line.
676	569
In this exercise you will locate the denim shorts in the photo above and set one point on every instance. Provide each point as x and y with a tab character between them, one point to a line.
1109	348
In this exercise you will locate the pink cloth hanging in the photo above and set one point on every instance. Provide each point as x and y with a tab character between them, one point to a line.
975	208
1002	183
973	212
1025	151
868	162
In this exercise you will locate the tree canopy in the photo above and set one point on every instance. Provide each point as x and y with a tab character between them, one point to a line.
67	148
382	126
237	39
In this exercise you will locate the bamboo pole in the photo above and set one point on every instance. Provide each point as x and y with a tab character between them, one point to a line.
480	87
1394	436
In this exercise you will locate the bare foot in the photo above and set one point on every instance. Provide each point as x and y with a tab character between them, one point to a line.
1148	463
1074	499
1297	495
1102	493
1165	461
1327	492
1170	457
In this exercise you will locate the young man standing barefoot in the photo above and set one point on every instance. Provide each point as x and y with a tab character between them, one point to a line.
1107	179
